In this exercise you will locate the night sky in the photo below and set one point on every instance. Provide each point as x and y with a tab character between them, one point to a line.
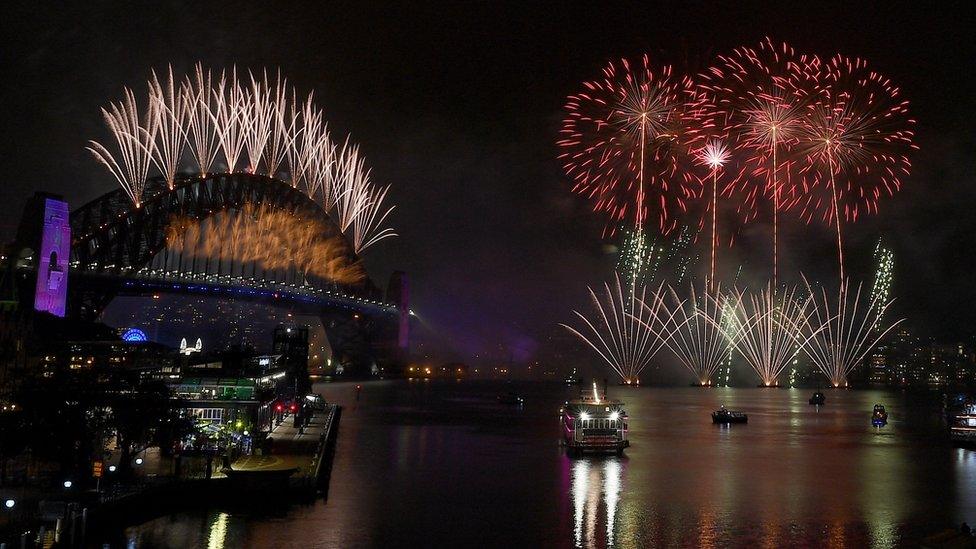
457	106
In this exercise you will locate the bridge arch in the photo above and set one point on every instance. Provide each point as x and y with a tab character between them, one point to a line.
109	233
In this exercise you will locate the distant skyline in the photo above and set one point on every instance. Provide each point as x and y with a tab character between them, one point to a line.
457	108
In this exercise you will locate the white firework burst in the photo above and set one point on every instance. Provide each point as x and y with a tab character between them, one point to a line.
844	330
201	104
171	111
281	130
135	143
765	328
694	332
249	126
233	104
625	329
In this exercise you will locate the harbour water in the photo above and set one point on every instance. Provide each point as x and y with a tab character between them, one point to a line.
443	464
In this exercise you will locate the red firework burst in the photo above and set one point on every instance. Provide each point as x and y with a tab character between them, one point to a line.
747	98
854	143
858	133
626	142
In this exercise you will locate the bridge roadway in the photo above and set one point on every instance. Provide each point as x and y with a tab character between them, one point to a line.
152	280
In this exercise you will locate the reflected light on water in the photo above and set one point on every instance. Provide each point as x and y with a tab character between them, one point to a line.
581	470
593	481
965	468
218	532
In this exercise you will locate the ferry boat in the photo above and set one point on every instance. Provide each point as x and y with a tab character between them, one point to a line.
594	424
818	399
728	416
962	425
879	417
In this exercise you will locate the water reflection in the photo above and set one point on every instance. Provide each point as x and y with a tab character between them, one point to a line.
594	482
795	475
964	460
218	532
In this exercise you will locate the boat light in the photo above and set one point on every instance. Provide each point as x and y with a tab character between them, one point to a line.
614	416
585	416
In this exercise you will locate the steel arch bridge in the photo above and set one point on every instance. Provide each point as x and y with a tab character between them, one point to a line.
115	249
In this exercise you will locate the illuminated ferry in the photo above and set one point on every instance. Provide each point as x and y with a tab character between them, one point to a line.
962	426
594	424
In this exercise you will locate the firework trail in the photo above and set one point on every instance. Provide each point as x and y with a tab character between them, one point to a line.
765	328
281	129
883	276
172	112
636	257
624	331
357	202
202	128
714	155
750	103
311	155
368	224
135	142
350	185
694	332
843	331
626	141
855	141
259	120
231	117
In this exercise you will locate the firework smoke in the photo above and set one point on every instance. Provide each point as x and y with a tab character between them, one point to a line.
268	238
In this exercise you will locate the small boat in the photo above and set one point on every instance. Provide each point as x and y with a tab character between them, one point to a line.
729	416
818	399
511	397
879	417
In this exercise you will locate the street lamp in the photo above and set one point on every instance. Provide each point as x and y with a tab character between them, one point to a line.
138	461
67	484
9	504
111	468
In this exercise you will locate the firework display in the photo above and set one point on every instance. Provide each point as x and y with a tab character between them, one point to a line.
749	102
842	331
883	276
624	328
627	142
765	328
854	141
764	130
262	238
694	332
253	125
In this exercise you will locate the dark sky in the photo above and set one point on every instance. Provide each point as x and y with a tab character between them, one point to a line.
457	106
